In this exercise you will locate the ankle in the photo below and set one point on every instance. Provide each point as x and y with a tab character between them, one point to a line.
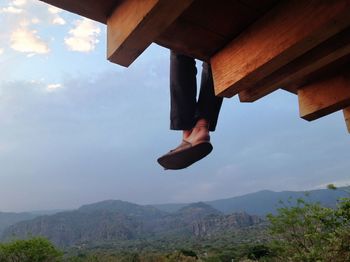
202	123
200	132
186	133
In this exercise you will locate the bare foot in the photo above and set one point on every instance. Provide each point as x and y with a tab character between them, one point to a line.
186	134
199	133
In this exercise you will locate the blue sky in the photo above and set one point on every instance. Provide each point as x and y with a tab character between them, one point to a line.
76	129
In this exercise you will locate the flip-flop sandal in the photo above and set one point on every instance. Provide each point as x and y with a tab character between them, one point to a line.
185	155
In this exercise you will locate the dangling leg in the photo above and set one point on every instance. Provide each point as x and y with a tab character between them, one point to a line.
208	108
195	143
183	91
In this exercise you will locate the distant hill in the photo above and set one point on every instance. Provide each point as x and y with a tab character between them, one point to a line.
115	220
264	202
123	207
9	218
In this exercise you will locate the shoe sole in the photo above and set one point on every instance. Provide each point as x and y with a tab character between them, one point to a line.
186	157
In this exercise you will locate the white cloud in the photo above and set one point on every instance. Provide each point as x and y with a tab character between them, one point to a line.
11	10
54	10
58	21
1	51
13	7
53	87
19	2
26	41
35	21
25	20
84	37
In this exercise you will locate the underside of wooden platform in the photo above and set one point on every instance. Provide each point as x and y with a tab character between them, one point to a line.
255	47
95	10
207	26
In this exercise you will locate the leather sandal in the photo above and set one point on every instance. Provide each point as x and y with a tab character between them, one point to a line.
185	154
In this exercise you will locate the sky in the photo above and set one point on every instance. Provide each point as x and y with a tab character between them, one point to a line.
77	129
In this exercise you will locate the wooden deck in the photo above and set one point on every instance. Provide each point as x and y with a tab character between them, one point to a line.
255	46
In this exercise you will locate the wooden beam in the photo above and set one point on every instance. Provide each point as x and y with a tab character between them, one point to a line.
299	69
185	43
92	9
346	112
289	30
207	26
324	96
135	24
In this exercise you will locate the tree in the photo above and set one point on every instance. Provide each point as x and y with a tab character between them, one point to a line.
180	256
340	238
311	232
37	249
258	251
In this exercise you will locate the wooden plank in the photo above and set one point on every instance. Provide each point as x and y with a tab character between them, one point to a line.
260	5
291	90
207	26
325	72
95	10
324	96
346	112
289	30
225	18
135	24
185	43
324	54
213	23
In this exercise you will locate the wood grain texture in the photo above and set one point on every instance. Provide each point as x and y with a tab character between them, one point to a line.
325	72
301	68
135	24
261	5
207	26
95	10
287	31
346	113
203	29
324	96
185	43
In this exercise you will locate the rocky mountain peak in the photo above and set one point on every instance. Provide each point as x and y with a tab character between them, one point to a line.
198	210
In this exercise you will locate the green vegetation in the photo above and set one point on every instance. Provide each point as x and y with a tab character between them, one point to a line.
311	232
123	225
300	231
33	250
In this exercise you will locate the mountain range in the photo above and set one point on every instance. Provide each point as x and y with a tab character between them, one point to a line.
115	220
263	202
9	218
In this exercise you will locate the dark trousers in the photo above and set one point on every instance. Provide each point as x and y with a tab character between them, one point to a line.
185	110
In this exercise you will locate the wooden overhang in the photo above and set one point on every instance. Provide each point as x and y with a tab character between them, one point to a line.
254	46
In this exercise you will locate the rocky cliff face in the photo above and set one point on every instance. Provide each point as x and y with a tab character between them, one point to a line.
118	221
212	225
7	219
